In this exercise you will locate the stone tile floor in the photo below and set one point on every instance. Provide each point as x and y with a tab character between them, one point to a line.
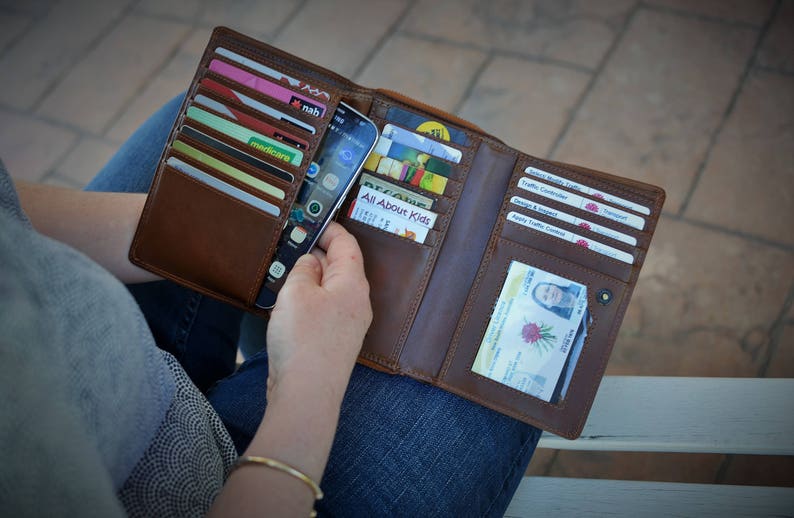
695	96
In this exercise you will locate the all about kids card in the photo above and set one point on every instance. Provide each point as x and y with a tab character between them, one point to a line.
535	324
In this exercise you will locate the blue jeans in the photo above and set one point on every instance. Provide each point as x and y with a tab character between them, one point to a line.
402	448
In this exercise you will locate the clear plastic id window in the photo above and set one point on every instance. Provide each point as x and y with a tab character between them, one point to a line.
535	333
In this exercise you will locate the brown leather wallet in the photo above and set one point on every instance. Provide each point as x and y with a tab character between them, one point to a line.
432	301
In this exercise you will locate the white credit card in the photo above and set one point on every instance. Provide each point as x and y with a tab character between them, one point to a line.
595	193
224	187
573	220
396	207
377	217
580	202
595	246
422	143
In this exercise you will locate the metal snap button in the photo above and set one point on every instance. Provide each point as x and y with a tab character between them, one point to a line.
604	296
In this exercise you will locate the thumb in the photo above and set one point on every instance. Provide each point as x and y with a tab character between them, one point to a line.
307	270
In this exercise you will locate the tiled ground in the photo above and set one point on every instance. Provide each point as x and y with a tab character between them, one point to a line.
695	96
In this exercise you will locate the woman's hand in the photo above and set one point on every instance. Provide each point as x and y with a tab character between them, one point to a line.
321	316
313	338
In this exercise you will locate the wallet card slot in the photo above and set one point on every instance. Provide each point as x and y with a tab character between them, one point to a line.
397	270
396	227
516	344
238	164
439	204
578	230
406	117
204	168
205	238
312	83
242	146
404	172
630	191
264	99
557	247
232	88
381	122
575	194
313	108
557	211
281	151
284	127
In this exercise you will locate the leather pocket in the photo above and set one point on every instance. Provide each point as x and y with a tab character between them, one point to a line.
397	270
204	238
564	415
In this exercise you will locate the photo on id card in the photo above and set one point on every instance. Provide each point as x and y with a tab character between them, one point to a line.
536	332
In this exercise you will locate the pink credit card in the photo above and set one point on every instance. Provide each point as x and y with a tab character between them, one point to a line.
278	92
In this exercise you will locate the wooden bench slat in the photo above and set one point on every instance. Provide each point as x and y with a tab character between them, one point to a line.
570	497
706	415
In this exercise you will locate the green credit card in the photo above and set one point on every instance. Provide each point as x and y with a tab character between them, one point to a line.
256	140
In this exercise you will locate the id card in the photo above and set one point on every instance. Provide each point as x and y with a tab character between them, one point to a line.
534	325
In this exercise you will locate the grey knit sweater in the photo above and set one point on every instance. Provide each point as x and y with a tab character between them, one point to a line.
95	420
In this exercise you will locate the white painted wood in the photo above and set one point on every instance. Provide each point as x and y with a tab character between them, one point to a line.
570	497
707	415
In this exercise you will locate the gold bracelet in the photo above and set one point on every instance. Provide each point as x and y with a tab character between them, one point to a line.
281	466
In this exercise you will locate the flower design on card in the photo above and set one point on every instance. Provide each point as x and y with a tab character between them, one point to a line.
598	195
585	225
538	336
592	207
583	242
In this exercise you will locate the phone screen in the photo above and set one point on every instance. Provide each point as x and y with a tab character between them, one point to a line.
341	153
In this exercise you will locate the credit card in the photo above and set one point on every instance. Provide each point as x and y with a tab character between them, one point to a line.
416	176
228	170
427	126
595	246
224	187
574	200
275	74
595	193
573	220
396	191
256	105
256	140
236	153
396	207
421	143
269	88
414	157
382	217
251	122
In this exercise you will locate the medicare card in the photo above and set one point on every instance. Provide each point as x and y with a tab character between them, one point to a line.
532	329
263	143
